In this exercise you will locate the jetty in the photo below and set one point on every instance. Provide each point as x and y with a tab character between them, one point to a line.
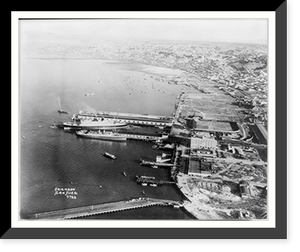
152	181
103	208
141	137
158	164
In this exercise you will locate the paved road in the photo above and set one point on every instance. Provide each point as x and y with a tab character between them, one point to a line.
245	161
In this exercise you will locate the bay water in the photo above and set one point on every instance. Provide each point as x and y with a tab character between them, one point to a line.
53	159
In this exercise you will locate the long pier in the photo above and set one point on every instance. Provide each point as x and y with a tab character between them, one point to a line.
141	137
145	180
103	208
151	163
137	119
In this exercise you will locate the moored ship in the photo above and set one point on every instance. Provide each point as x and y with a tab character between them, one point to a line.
93	124
101	135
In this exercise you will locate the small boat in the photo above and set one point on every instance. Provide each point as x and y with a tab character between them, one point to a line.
153	185
62	111
143	192
106	154
89	94
144	184
124	174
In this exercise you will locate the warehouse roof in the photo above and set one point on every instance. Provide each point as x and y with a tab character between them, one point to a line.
207	143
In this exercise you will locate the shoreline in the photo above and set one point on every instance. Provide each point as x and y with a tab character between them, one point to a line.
199	211
199	203
209	205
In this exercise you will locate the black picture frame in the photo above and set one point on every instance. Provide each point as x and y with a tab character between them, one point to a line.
279	232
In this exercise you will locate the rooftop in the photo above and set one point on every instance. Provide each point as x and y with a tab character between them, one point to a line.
197	143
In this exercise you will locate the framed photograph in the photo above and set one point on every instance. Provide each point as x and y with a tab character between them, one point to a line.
149	125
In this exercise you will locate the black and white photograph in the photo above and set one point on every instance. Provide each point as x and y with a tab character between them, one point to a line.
143	119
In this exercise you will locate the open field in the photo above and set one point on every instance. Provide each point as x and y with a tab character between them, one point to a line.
213	126
210	106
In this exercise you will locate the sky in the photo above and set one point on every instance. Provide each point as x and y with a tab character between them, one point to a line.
227	30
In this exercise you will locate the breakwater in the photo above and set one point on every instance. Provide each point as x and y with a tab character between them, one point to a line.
103	208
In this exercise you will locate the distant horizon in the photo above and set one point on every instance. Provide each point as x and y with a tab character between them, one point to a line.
239	31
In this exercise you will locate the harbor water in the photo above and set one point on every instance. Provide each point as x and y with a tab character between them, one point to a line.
59	170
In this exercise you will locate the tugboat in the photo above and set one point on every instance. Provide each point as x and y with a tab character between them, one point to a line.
62	111
111	156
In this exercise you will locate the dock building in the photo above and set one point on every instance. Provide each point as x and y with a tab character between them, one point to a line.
203	143
198	159
203	147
